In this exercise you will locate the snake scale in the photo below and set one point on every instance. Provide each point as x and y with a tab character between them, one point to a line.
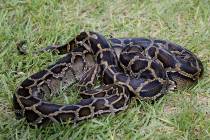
127	67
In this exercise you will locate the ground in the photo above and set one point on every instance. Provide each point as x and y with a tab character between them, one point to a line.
183	114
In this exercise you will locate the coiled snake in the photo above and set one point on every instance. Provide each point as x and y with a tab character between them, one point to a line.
127	67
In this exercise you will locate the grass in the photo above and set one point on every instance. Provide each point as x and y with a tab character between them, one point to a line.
183	114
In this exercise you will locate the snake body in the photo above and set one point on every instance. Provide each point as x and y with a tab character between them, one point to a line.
127	67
